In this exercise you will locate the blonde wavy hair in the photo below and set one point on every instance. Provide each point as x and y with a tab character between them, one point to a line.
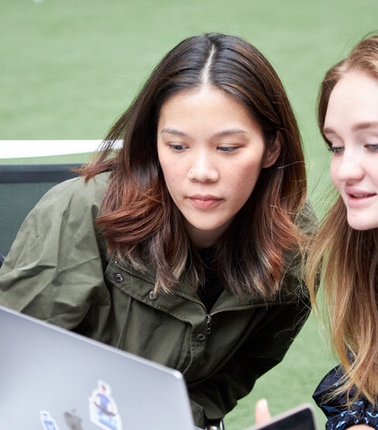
345	262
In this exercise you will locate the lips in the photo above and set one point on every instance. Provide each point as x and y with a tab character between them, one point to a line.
360	196
204	202
359	199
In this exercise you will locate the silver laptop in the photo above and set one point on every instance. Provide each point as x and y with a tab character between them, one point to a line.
53	379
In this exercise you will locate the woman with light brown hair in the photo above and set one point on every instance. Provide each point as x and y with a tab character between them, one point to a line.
344	254
184	246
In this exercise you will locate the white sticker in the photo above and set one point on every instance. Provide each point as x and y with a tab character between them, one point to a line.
47	421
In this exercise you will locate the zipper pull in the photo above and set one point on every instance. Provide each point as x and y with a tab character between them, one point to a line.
208	322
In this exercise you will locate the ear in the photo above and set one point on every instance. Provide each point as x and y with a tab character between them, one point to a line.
273	151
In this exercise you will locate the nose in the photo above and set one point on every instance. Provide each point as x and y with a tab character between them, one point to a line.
349	167
203	168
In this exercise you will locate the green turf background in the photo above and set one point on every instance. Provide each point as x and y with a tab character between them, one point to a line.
70	67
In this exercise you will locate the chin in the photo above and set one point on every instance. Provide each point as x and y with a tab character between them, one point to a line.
362	226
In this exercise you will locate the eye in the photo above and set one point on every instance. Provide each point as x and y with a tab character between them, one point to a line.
228	149
372	147
336	149
177	147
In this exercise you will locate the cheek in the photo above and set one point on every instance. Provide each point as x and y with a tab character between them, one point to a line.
245	182
167	167
171	172
333	167
371	170
173	177
247	175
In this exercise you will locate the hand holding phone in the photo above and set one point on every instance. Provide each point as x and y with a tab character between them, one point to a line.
299	418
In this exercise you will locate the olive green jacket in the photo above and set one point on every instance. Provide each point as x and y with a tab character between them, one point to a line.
58	271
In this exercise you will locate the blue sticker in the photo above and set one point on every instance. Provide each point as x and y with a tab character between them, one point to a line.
102	408
47	421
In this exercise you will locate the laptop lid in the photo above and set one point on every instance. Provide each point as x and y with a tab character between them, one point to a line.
53	379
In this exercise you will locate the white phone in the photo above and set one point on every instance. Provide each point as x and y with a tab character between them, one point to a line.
300	418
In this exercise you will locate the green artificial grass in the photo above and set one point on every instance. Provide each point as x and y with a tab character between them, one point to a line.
69	68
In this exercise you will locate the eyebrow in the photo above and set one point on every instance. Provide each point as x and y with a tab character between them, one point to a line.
223	133
365	125
357	127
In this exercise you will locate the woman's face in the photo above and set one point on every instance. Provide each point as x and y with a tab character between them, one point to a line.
211	153
351	126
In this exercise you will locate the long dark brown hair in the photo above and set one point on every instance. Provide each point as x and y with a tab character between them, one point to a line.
139	219
347	261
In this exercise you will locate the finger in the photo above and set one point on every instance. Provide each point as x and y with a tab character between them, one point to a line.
262	414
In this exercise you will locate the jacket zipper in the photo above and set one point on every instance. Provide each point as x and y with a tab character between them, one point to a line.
208	316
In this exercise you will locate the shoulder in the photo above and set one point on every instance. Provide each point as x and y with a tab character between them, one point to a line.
339	413
70	207
76	193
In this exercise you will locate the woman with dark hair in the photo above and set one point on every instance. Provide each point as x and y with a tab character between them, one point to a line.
185	245
345	249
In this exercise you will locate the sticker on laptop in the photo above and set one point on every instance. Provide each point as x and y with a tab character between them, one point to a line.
103	410
47	421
